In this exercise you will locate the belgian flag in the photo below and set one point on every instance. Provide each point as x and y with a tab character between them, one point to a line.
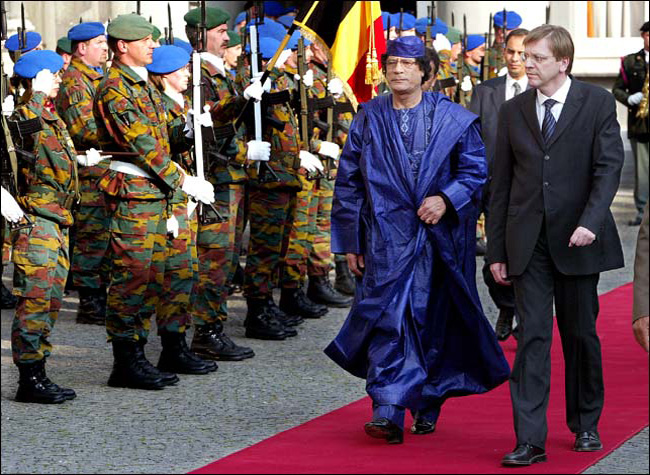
353	35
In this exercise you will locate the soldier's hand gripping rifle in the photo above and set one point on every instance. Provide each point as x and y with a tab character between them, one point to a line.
210	215
306	114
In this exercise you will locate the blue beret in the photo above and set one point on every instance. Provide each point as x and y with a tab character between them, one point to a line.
270	29
293	41
275	9
408	21
268	47
513	19
167	59
240	17
30	64
180	43
86	31
406	47
384	18
438	27
474	41
287	20
32	39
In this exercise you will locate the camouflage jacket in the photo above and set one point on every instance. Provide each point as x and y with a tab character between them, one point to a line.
131	118
176	117
495	59
446	77
48	183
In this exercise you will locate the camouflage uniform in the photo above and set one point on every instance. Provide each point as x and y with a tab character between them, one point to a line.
495	59
131	117
475	75
74	104
217	243
48	188
446	77
272	204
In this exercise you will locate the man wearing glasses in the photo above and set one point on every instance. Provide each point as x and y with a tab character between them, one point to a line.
551	233
404	213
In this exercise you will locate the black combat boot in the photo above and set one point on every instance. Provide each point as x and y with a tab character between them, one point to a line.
320	290
212	343
295	302
9	301
34	386
176	357
261	323
237	283
168	379
344	281
129	369
284	318
92	306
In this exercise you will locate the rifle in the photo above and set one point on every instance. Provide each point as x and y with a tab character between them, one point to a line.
330	163
305	128
485	63
428	41
460	65
401	20
453	20
197	105
502	46
170	38
548	14
137	8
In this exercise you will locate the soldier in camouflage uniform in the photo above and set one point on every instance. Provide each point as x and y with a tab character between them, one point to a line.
472	65
494	55
47	188
139	186
217	241
74	104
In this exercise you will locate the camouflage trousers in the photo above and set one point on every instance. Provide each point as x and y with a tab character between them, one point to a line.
301	239
218	251
92	223
270	217
137	246
320	257
179	272
41	264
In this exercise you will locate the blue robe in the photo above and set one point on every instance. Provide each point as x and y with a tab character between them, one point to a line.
416	331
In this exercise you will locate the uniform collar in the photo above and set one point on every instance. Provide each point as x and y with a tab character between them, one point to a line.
90	72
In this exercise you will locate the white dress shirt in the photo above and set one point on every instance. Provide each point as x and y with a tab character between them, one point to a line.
560	96
510	82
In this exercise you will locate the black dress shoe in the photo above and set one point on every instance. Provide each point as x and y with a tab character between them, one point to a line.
587	441
503	328
524	454
385	429
422	427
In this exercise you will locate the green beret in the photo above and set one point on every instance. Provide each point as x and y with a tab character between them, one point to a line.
64	44
234	39
130	27
156	33
453	35
214	17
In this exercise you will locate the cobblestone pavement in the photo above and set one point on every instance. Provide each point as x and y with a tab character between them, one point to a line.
203	418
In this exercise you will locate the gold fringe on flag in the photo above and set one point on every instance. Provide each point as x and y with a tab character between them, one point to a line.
373	75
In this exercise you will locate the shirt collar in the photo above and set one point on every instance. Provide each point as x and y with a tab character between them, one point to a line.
559	96
523	82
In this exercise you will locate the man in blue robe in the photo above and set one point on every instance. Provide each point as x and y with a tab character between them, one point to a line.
404	213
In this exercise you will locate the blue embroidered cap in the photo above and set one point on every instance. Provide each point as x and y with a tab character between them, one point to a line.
513	19
474	41
32	40
30	64
86	31
167	59
406	47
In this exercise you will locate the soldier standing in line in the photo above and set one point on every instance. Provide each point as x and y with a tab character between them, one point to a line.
472	64
74	103
503	25
232	54
216	241
64	49
47	190
131	118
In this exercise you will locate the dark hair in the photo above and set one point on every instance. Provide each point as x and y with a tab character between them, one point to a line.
431	56
192	33
517	32
645	28
423	62
112	44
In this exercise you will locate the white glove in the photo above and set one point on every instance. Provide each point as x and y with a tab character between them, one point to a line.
258	151
308	78
310	162
205	119
441	43
8	105
92	158
283	58
466	85
255	90
635	99
335	87
43	82
11	210
172	226
215	61
199	189
329	149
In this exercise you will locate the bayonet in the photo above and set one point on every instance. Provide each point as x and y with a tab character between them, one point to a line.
137	8
401	20
170	39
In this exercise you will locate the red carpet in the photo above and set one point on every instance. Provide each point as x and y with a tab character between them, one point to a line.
473	432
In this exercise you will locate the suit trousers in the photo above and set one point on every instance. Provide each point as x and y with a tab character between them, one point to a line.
576	304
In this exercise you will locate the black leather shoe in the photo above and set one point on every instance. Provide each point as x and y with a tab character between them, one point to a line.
210	342
344	281
129	369
9	300
524	454
92	306
587	441
33	385
503	328
176	357
260	322
384	429
295	302
69	394
320	290
422	427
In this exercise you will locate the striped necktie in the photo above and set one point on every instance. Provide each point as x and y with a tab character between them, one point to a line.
548	126
517	88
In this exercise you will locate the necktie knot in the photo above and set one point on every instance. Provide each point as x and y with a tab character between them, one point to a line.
517	88
549	103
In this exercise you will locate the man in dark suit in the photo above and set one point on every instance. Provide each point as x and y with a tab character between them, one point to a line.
486	102
551	232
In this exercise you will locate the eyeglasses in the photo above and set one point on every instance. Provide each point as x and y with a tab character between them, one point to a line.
535	58
406	63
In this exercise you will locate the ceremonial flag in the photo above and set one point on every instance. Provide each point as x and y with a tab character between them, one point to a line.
352	33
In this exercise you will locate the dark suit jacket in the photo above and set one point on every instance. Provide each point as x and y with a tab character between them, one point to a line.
569	183
486	101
